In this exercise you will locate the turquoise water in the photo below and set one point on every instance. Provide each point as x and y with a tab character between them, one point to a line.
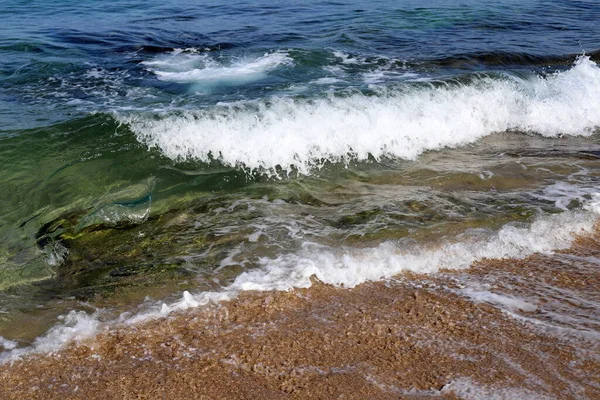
154	147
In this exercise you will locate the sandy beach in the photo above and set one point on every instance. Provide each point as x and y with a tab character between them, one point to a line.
416	336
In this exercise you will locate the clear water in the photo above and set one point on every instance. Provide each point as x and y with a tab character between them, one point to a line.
154	147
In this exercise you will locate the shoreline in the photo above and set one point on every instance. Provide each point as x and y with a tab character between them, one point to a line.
416	336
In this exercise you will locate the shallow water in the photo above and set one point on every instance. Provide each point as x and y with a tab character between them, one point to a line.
152	148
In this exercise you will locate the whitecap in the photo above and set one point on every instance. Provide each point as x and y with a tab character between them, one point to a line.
204	68
402	123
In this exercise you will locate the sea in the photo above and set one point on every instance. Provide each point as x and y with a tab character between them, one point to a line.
162	155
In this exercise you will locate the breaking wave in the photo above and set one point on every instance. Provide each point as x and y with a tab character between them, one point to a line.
402	122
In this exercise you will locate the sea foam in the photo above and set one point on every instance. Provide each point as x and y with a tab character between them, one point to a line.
399	122
195	67
350	266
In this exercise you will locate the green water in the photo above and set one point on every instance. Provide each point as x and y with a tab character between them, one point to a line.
93	218
149	147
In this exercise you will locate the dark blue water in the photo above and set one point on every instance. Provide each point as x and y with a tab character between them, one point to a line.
61	58
154	147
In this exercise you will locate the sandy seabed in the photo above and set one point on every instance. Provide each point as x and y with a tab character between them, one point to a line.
532	332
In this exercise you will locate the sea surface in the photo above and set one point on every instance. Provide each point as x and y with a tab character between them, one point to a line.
158	155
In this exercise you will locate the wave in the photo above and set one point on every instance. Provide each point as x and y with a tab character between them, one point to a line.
191	66
401	122
349	267
343	267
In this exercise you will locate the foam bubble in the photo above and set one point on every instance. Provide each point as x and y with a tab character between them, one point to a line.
402	122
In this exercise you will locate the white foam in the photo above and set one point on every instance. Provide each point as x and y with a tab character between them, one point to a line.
401	122
186	67
466	389
348	59
383	75
508	302
7	344
563	193
326	81
76	325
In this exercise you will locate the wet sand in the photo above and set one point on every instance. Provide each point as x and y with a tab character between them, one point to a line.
417	336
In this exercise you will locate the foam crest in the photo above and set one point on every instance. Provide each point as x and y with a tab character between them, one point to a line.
349	267
193	67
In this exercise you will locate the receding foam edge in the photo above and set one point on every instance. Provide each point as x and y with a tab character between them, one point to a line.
345	267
